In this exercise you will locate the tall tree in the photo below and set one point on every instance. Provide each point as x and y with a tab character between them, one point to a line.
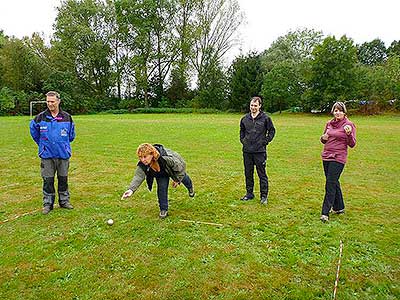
166	49
117	54
43	52
246	78
372	53
3	40
394	48
22	72
216	24
212	88
332	74
296	46
380	83
184	29
82	42
147	34
178	92
282	87
6	100
292	53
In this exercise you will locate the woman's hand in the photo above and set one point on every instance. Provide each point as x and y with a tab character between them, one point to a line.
325	136
127	194
175	184
347	129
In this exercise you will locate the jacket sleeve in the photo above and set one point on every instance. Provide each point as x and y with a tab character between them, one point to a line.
35	131
176	163
242	131
72	131
321	139
138	178
351	138
270	130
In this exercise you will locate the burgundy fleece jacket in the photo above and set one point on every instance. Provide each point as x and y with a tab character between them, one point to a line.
335	148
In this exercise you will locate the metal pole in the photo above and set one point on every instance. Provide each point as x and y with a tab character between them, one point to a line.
31	107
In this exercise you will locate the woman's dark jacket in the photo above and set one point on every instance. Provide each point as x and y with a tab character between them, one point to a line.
169	160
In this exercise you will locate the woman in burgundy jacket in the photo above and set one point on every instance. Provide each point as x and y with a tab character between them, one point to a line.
339	134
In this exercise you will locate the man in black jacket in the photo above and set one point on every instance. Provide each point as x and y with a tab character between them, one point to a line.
256	132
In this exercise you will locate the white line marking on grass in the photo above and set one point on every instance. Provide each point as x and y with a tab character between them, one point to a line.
9	185
199	222
18	216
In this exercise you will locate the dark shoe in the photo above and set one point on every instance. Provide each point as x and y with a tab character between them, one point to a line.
324	218
46	210
191	193
264	200
338	212
163	214
247	197
66	205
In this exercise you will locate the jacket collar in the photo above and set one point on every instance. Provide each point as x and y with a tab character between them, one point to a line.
50	116
258	116
160	148
338	123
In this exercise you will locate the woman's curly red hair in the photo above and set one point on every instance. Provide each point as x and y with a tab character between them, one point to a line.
146	149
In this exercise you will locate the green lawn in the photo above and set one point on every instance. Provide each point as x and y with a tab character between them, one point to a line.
279	251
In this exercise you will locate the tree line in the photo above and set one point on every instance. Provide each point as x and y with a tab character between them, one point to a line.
127	54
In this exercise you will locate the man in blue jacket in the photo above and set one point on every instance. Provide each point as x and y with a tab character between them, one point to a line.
53	130
256	132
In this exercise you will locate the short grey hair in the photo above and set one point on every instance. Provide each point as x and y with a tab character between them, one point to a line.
53	94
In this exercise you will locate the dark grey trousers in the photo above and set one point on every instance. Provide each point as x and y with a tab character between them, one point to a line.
48	168
259	160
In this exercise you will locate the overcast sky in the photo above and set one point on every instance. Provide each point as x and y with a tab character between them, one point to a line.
362	20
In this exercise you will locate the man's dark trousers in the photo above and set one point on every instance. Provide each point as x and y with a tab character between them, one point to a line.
259	160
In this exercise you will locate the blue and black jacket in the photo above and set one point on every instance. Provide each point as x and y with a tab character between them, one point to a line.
53	134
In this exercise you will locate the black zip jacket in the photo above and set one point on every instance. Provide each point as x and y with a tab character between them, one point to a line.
256	134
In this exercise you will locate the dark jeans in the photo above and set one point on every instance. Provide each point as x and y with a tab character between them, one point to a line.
259	160
162	189
48	168
333	193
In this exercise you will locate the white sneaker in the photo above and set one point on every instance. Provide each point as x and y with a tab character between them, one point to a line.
163	214
324	218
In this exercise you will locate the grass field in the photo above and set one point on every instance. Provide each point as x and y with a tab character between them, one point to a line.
279	251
